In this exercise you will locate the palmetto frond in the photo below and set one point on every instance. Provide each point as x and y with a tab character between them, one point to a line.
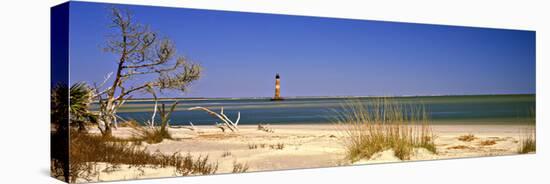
80	98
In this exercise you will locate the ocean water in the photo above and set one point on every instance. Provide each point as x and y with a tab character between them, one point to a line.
479	109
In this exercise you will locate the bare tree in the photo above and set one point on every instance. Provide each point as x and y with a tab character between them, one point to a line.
141	55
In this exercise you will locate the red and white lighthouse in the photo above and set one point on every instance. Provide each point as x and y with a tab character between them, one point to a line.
277	88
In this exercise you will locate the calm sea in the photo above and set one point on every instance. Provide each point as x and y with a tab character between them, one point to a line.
480	109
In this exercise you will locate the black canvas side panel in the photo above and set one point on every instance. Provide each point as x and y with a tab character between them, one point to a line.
59	145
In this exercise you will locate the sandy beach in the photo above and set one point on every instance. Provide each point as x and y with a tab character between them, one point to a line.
305	146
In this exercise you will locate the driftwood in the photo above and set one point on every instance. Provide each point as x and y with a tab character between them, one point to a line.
152	122
227	123
220	126
190	127
265	128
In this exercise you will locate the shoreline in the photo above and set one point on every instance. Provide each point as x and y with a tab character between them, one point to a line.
320	97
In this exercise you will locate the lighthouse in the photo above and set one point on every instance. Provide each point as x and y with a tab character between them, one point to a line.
277	88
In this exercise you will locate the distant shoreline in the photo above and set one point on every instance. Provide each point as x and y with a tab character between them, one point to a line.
314	97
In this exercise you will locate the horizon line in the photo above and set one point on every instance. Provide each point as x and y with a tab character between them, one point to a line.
339	96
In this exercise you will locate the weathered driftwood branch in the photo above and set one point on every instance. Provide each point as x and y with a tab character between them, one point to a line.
190	127
220	126
226	121
265	128
152	122
229	120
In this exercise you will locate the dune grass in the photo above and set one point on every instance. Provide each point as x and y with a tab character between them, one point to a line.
239	167
226	154
467	138
87	150
384	124
528	142
155	134
151	135
528	137
487	142
459	147
278	146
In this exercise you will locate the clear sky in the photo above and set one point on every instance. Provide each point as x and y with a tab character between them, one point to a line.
242	52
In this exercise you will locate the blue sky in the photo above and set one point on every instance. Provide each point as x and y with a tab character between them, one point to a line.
241	52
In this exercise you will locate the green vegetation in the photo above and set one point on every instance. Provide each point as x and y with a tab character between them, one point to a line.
252	146
80	99
528	143
384	125
64	101
87	150
487	142
59	165
528	139
467	138
153	135
278	146
239	168
226	154
140	51
187	166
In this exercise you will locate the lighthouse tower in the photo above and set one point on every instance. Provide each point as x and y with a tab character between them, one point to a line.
277	88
